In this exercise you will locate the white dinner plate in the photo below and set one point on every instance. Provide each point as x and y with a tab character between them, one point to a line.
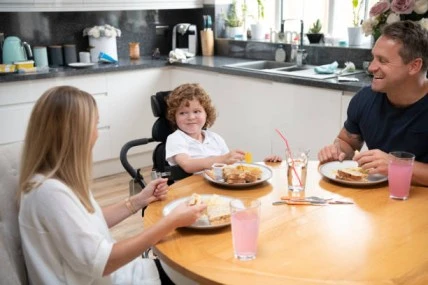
81	64
329	170
202	222
266	174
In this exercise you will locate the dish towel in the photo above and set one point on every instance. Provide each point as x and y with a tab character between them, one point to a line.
177	55
327	68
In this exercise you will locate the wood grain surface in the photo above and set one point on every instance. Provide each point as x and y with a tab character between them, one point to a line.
377	240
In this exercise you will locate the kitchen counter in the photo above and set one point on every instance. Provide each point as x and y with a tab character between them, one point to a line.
215	64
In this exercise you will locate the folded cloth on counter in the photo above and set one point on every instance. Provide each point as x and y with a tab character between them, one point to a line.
349	67
347	79
103	57
327	68
177	55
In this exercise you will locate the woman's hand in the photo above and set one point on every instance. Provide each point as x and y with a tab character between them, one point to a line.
154	191
184	215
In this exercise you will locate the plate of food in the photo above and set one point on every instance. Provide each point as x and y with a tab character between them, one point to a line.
348	172
240	175
217	213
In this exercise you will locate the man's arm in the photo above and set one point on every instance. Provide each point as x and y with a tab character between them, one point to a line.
342	148
349	143
420	173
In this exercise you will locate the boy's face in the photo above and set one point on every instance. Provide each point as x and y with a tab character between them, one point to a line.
191	118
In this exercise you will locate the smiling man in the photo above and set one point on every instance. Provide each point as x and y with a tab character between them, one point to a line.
392	113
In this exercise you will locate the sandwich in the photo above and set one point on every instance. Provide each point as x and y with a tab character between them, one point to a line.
195	199
218	210
352	174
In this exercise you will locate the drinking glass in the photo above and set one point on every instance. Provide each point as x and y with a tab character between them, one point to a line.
245	216
400	169
297	162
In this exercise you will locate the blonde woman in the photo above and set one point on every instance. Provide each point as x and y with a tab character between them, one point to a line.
65	233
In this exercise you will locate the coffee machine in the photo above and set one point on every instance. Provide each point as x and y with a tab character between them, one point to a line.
185	38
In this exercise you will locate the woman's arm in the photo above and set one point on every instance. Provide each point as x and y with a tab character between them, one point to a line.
155	190
127	250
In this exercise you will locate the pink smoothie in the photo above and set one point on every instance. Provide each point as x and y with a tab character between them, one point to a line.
399	178
245	229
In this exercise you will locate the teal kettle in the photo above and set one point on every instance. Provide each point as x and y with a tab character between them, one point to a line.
15	50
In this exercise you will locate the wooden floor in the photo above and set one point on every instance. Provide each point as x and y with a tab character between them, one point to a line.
110	189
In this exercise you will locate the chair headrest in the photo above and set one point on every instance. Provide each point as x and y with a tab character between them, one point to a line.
161	129
158	102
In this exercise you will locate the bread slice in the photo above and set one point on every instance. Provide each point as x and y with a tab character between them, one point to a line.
351	174
195	199
218	210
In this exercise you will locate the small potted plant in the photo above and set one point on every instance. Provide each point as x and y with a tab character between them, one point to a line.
355	32
258	30
314	34
233	22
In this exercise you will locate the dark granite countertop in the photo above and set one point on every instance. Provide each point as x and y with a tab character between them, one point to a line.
215	64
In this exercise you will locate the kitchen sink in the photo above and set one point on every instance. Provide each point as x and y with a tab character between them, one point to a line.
284	68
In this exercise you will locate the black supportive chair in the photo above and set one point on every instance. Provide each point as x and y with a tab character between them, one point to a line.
160	131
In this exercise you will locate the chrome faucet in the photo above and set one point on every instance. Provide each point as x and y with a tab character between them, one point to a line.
301	53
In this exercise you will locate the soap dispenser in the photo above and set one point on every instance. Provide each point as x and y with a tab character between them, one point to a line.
280	53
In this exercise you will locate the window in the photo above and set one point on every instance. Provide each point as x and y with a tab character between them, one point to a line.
335	15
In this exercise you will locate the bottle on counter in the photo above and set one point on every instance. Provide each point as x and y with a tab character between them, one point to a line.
280	54
294	48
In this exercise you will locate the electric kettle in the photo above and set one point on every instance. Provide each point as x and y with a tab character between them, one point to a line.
15	50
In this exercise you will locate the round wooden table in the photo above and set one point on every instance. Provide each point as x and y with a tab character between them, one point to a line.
377	240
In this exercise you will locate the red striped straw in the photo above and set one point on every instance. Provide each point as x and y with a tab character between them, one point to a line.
290	155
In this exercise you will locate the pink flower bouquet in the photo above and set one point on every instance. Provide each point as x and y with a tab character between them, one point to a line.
390	11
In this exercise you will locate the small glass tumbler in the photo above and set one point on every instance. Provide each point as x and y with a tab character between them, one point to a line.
297	162
134	50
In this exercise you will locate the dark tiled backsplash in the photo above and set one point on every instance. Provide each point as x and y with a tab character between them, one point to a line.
58	28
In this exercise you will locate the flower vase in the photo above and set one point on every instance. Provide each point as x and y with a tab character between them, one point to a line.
234	32
106	45
355	36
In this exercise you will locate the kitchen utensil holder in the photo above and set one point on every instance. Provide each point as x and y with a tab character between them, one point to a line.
207	41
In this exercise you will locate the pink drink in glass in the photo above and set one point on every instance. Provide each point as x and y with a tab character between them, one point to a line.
400	175
245	231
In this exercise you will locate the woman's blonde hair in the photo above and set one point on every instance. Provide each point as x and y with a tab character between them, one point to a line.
58	141
188	92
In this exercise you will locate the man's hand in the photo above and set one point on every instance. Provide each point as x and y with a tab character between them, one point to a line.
331	153
375	161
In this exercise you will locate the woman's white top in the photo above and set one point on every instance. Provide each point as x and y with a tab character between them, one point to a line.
179	142
65	244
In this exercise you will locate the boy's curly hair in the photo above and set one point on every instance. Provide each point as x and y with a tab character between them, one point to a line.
188	92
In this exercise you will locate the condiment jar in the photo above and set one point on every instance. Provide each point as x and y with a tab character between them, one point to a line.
134	50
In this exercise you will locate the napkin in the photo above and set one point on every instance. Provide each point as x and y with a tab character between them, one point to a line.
103	57
327	68
177	55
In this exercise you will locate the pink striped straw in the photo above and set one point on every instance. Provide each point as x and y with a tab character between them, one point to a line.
290	155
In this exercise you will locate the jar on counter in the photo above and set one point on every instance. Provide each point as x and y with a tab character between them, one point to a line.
134	50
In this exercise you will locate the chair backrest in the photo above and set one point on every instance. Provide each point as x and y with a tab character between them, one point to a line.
160	131
12	268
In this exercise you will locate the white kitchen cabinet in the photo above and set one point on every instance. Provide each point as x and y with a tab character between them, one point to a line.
249	111
123	101
17	101
94	5
346	98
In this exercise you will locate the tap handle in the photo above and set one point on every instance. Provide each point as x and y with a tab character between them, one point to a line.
28	50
